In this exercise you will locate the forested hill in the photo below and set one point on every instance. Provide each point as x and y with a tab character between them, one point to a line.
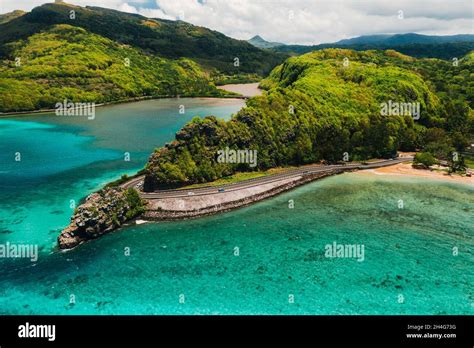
66	62
325	103
415	45
446	51
168	39
90	54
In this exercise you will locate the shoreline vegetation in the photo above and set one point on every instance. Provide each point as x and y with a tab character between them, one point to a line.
316	108
125	101
108	209
320	107
230	91
85	225
270	123
90	219
49	58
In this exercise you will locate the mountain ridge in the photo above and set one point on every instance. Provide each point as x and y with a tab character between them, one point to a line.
168	39
415	45
412	44
406	38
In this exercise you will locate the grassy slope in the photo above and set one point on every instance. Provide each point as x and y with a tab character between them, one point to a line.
69	62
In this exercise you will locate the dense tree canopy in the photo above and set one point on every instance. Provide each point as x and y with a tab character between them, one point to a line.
441	50
164	38
59	51
319	106
69	62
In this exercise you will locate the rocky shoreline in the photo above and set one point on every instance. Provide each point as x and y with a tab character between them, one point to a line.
101	213
112	207
109	209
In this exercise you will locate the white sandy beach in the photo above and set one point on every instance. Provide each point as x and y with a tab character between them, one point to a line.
406	169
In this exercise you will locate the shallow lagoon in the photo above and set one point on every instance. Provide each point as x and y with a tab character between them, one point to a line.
408	267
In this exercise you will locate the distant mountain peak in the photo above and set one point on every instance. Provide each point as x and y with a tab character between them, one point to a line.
260	42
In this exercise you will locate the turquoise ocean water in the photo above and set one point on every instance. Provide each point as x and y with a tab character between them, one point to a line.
262	259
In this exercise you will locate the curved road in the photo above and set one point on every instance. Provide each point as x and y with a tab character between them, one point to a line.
307	170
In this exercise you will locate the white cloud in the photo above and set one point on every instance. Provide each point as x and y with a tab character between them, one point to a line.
313	21
299	21
127	8
155	13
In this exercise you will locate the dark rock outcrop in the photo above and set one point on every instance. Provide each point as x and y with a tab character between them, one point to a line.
102	212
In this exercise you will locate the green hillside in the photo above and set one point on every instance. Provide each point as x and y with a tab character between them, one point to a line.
316	108
69	62
354	90
169	39
60	50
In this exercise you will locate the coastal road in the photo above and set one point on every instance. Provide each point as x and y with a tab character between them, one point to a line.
298	172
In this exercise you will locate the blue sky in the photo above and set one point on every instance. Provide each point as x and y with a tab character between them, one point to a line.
298	21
